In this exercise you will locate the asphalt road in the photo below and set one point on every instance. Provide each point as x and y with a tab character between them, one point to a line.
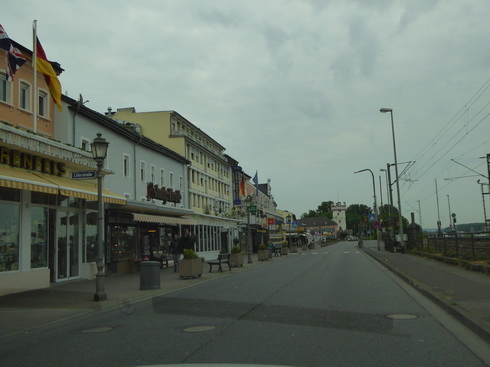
331	306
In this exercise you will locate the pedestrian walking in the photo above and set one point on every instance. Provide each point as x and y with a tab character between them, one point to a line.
176	251
187	243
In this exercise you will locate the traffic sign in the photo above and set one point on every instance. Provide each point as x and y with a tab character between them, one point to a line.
376	224
372	217
252	209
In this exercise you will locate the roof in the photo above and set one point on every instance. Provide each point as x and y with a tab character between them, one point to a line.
122	130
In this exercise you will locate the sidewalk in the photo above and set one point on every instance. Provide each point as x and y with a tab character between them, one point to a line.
24	312
463	293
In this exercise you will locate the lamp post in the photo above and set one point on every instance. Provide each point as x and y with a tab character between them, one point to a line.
99	152
288	220
375	204
450	217
384	110
389	198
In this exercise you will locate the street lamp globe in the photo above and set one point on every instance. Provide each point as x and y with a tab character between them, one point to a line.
99	148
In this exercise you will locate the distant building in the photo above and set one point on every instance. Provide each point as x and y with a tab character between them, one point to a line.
319	227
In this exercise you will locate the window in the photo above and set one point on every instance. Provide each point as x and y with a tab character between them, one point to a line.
152	173
126	165
85	145
181	183
9	236
5	88
171	183
43	104
24	96
162	178
39	237
142	171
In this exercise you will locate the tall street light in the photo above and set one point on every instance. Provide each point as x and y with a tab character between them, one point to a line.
402	242
99	152
375	204
288	221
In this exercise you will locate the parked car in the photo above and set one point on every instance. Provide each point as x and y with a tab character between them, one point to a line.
351	238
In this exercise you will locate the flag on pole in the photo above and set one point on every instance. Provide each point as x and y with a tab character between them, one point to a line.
242	187
256	182
13	57
45	67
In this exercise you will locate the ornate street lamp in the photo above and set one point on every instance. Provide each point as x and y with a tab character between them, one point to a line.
99	152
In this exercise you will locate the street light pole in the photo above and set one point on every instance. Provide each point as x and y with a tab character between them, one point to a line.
288	218
99	152
375	204
402	242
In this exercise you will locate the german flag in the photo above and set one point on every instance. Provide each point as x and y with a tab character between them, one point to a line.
45	67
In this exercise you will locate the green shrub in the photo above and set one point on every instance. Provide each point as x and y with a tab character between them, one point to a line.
189	254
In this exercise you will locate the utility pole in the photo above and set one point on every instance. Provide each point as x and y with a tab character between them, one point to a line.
439	231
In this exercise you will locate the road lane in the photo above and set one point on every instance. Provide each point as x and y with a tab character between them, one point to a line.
327	306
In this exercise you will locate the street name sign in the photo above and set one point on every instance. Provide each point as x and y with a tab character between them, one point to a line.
83	175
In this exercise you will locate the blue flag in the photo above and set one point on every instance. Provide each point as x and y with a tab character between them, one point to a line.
256	182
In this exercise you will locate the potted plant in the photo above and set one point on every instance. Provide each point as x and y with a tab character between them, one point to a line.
236	257
263	253
191	265
285	248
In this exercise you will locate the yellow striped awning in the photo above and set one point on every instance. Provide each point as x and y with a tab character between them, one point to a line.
85	190
161	219
34	181
25	180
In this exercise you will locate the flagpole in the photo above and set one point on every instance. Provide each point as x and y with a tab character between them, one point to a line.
34	65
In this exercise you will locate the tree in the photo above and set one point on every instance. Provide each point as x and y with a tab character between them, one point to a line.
356	217
323	210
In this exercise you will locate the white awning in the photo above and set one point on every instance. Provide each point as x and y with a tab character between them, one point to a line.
162	219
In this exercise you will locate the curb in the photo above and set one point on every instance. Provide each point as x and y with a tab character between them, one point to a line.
460	315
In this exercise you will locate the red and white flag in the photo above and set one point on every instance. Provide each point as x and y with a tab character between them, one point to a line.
13	57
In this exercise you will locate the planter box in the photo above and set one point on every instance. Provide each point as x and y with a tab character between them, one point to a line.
236	260
294	248
190	268
263	255
284	250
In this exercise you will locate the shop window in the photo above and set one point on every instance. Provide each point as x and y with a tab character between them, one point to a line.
9	194
43	199
39	237
90	248
123	243
9	237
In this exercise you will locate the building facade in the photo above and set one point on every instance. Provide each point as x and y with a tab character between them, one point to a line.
209	174
47	223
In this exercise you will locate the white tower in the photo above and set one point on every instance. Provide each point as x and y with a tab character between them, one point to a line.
338	211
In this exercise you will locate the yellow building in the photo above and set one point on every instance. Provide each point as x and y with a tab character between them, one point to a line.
209	175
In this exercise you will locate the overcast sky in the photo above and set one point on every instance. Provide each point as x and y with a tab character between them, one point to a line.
293	88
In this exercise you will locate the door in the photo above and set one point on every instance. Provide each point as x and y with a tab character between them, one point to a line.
67	261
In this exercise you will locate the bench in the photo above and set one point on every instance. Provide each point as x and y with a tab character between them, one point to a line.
222	259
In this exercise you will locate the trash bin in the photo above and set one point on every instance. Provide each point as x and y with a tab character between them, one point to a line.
149	275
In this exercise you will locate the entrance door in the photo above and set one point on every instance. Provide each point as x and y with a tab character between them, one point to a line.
67	254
